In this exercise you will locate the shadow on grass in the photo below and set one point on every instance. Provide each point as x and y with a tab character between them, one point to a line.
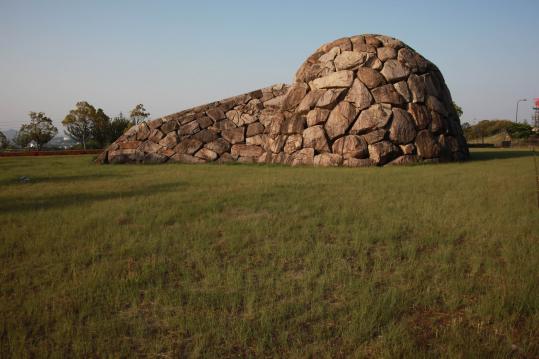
498	155
25	204
58	179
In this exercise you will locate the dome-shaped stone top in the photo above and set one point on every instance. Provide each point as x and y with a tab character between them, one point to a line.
373	51
356	101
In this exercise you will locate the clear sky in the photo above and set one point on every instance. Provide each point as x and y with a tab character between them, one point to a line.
171	55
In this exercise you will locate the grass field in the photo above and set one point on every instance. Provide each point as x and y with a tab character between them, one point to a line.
259	261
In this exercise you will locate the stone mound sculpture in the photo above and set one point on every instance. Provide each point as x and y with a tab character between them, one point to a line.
357	101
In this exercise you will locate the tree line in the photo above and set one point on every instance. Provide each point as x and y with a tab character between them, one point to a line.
488	128
86	125
91	127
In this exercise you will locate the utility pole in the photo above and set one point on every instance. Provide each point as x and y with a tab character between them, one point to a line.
516	112
536	114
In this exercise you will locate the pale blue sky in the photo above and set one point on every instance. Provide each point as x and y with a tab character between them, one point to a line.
171	55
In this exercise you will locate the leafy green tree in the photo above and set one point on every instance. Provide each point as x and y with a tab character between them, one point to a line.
520	130
40	129
22	139
80	121
138	114
458	109
3	141
118	126
101	129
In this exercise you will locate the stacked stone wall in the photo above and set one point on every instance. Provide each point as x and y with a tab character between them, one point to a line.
359	101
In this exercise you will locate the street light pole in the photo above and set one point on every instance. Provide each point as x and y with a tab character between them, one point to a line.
516	113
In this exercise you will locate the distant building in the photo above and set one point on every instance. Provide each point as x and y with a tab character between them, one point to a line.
62	142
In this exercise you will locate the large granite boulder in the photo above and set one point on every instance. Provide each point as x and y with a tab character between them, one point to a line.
357	101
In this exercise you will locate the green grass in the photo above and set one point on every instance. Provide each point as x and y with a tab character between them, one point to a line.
242	260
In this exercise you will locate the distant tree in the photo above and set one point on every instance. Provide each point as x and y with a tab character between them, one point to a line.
467	129
486	128
80	121
458	109
138	114
498	126
480	130
101	129
4	143
22	139
40	129
520	130
118	126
